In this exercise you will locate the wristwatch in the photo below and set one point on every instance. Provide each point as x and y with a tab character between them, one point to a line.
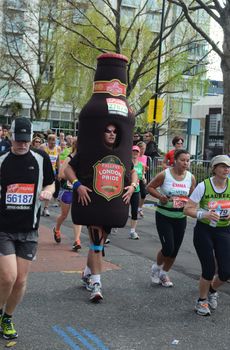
134	185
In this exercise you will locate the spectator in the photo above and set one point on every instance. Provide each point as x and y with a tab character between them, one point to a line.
4	143
178	143
151	146
36	142
136	138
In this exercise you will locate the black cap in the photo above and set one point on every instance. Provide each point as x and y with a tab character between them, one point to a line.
22	129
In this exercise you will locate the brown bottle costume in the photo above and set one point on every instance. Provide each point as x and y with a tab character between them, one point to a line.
104	170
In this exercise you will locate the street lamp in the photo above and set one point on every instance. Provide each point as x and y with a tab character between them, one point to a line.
158	66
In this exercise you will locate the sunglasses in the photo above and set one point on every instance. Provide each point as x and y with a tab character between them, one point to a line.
110	131
179	143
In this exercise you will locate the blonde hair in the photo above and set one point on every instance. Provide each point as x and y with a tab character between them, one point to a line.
141	144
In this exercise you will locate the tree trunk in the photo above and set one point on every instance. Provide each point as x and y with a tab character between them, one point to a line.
225	65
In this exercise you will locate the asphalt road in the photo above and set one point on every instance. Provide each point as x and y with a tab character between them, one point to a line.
134	315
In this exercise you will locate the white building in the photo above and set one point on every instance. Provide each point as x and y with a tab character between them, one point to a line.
178	106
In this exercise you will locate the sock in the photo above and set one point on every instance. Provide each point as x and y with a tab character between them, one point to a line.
139	209
158	267
132	230
96	279
211	290
87	271
201	299
163	272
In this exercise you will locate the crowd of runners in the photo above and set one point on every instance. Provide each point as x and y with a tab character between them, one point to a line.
36	171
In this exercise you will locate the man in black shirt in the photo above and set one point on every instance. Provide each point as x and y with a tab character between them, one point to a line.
26	178
4	143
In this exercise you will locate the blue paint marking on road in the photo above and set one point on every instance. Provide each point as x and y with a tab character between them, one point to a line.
95	339
66	338
80	338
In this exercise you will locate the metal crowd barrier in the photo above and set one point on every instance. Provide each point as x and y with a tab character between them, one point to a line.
199	168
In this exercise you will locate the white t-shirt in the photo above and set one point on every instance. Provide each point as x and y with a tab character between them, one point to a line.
198	192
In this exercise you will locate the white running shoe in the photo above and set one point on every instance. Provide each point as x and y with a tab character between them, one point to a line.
134	235
46	212
212	300
155	271
96	294
165	280
87	282
202	308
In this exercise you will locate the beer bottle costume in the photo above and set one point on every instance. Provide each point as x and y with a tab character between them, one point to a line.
102	169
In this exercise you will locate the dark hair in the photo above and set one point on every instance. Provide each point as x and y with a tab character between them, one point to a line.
176	139
178	152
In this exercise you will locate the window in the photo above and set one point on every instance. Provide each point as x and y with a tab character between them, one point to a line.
79	12
127	14
14	43
131	3
153	20
14	23
16	4
48	72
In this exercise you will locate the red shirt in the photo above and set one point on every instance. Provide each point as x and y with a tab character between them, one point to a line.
170	157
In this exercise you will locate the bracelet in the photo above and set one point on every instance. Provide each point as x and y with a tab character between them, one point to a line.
200	214
134	185
76	184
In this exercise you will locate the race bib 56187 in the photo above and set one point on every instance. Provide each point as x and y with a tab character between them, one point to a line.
20	194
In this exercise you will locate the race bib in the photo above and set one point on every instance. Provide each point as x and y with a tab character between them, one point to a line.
20	195
224	207
179	201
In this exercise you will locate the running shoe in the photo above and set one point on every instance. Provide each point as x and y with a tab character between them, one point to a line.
87	282
155	274
46	212
165	280
141	213
134	235
57	235
212	300
8	330
114	230
96	295
107	241
76	246
202	308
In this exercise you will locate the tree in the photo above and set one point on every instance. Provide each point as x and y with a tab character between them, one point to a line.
102	26
219	11
31	46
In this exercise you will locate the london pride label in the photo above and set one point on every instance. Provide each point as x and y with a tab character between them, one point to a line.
108	180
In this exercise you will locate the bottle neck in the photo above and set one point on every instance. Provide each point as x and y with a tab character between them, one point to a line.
110	77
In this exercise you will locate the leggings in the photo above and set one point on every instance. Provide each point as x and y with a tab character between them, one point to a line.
143	190
212	245
134	202
171	233
57	188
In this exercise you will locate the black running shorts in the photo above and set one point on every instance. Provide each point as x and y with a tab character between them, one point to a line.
23	245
